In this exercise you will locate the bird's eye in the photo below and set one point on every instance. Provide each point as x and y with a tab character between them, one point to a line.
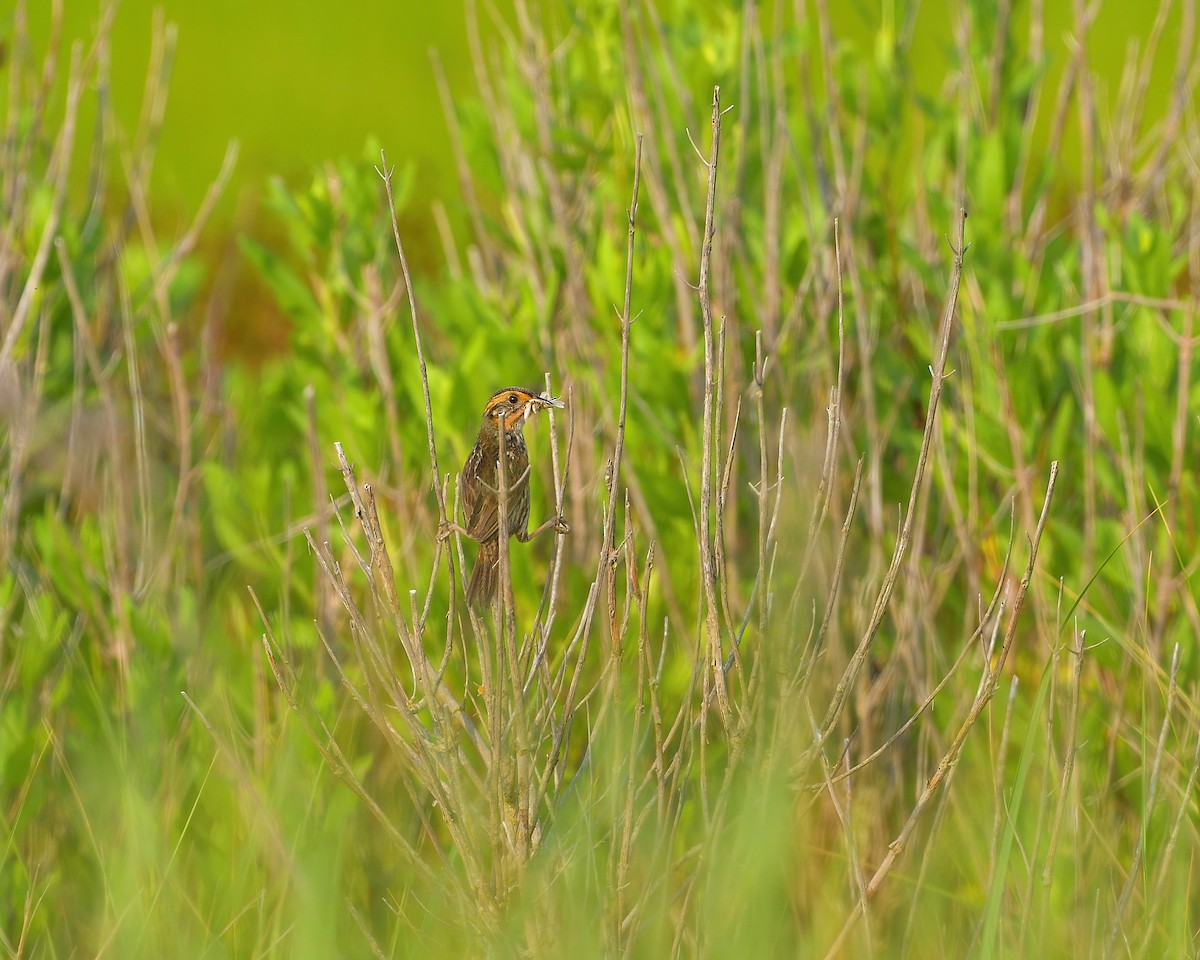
512	398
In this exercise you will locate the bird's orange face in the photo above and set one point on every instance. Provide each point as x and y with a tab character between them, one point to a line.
515	405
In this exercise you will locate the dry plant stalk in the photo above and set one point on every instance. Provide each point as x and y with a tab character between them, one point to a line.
109	451
534	696
503	753
987	690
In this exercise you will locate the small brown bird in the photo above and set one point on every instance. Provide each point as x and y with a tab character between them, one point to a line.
508	409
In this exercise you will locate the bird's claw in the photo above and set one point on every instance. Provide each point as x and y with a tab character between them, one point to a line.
561	527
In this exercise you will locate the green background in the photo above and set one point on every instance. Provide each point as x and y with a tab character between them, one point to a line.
146	487
300	83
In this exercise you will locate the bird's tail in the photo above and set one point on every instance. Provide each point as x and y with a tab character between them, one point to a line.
482	587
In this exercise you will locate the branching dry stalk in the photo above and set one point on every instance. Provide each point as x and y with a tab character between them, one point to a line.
605	571
987	689
834	416
385	174
548	727
715	674
990	617
938	372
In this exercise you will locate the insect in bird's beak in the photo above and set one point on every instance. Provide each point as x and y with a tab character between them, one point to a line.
541	400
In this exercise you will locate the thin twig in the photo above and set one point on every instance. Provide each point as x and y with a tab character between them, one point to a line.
707	570
950	757
938	371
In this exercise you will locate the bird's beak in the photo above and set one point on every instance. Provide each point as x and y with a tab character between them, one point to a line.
540	402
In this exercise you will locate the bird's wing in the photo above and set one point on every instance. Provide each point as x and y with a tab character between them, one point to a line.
480	504
478	498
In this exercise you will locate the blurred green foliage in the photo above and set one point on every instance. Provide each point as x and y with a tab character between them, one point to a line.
297	83
143	825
